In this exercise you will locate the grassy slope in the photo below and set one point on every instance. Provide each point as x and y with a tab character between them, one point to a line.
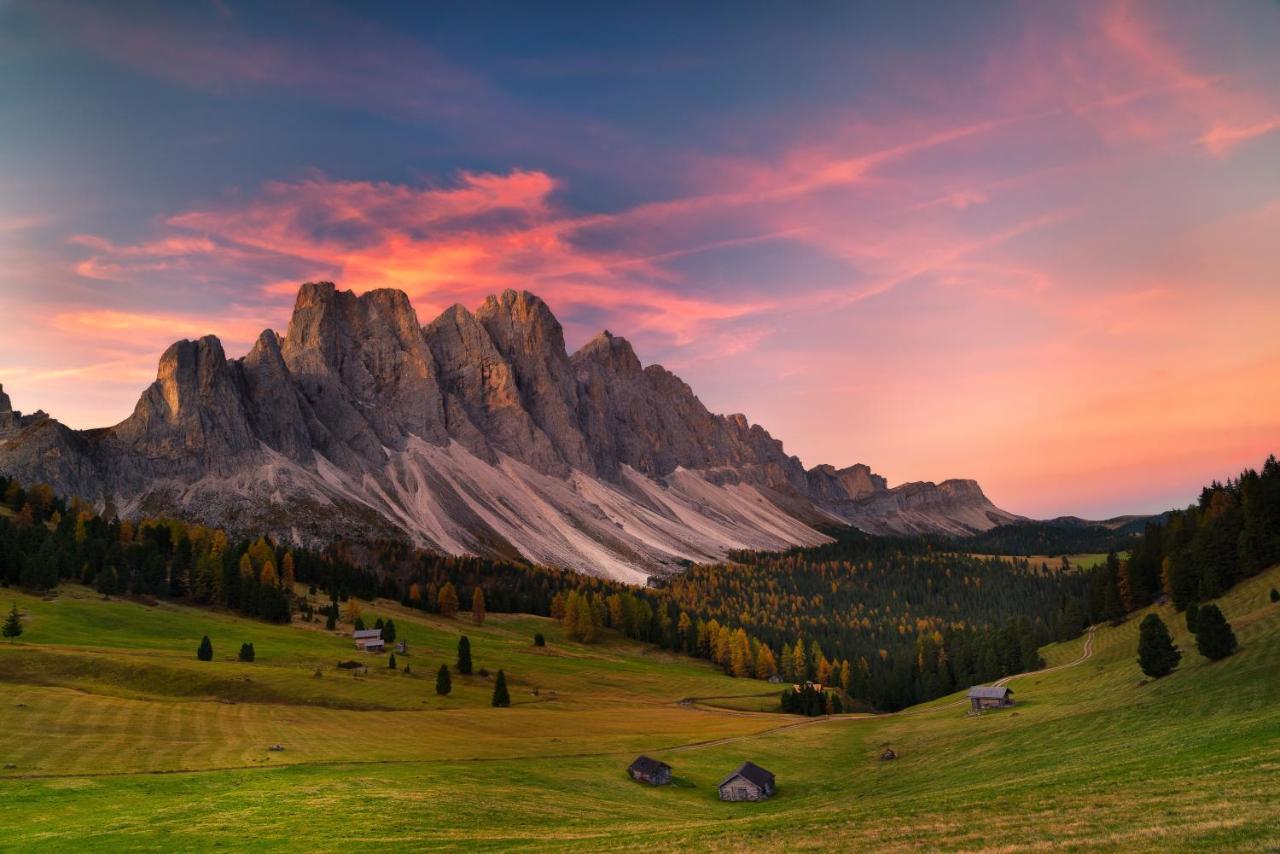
1091	756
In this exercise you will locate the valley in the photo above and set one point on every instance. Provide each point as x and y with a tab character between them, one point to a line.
118	740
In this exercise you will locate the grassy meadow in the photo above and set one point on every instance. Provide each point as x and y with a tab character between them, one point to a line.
119	738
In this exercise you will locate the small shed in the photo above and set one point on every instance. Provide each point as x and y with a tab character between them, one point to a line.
749	783
983	697
646	769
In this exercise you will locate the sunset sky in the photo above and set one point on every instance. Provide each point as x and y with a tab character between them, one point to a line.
1035	244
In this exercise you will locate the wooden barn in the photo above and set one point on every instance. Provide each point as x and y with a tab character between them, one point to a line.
982	697
749	783
649	770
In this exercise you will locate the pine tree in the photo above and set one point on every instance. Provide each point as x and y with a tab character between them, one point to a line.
107	581
1193	614
443	683
391	662
205	652
464	656
1157	654
389	631
13	623
477	605
501	699
1215	640
246	652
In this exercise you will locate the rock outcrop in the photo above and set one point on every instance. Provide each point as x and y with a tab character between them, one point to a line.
476	433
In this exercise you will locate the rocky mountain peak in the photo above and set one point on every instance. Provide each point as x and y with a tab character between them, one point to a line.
5	405
610	351
475	433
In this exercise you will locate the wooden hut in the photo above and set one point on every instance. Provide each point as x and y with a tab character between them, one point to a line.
749	783
369	640
646	769
982	697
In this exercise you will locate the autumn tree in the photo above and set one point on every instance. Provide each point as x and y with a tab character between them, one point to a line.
447	600
477	605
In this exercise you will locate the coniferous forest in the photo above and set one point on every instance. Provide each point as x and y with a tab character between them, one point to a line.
891	621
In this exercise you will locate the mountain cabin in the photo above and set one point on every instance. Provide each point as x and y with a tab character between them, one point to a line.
982	697
749	783
649	770
369	640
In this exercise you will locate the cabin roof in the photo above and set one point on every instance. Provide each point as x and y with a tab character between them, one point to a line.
985	692
365	634
648	765
752	772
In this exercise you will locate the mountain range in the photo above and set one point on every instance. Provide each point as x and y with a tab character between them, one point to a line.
477	433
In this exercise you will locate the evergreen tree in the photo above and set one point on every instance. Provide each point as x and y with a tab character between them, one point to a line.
501	699
246	652
13	623
1193	617
1275	595
391	662
1157	654
464	656
539	640
205	652
1215	640
107	581
389	631
443	683
331	618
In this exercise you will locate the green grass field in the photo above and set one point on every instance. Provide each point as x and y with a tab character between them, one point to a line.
120	739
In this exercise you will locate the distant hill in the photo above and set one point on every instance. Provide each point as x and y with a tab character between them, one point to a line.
1064	535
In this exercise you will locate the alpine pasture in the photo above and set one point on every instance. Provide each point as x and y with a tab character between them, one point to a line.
115	736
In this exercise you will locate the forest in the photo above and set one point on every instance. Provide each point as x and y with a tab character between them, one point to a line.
891	621
1051	538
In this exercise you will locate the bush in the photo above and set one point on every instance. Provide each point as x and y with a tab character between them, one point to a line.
1275	595
205	652
391	662
1157	654
1215	640
246	652
539	640
483	673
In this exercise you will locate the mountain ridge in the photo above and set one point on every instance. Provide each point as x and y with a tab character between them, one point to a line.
476	432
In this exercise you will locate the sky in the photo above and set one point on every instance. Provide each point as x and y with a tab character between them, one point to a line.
1036	244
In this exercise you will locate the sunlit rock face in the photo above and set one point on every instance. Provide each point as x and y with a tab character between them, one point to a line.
476	433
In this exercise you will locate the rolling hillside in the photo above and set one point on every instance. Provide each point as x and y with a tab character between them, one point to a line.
118	737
